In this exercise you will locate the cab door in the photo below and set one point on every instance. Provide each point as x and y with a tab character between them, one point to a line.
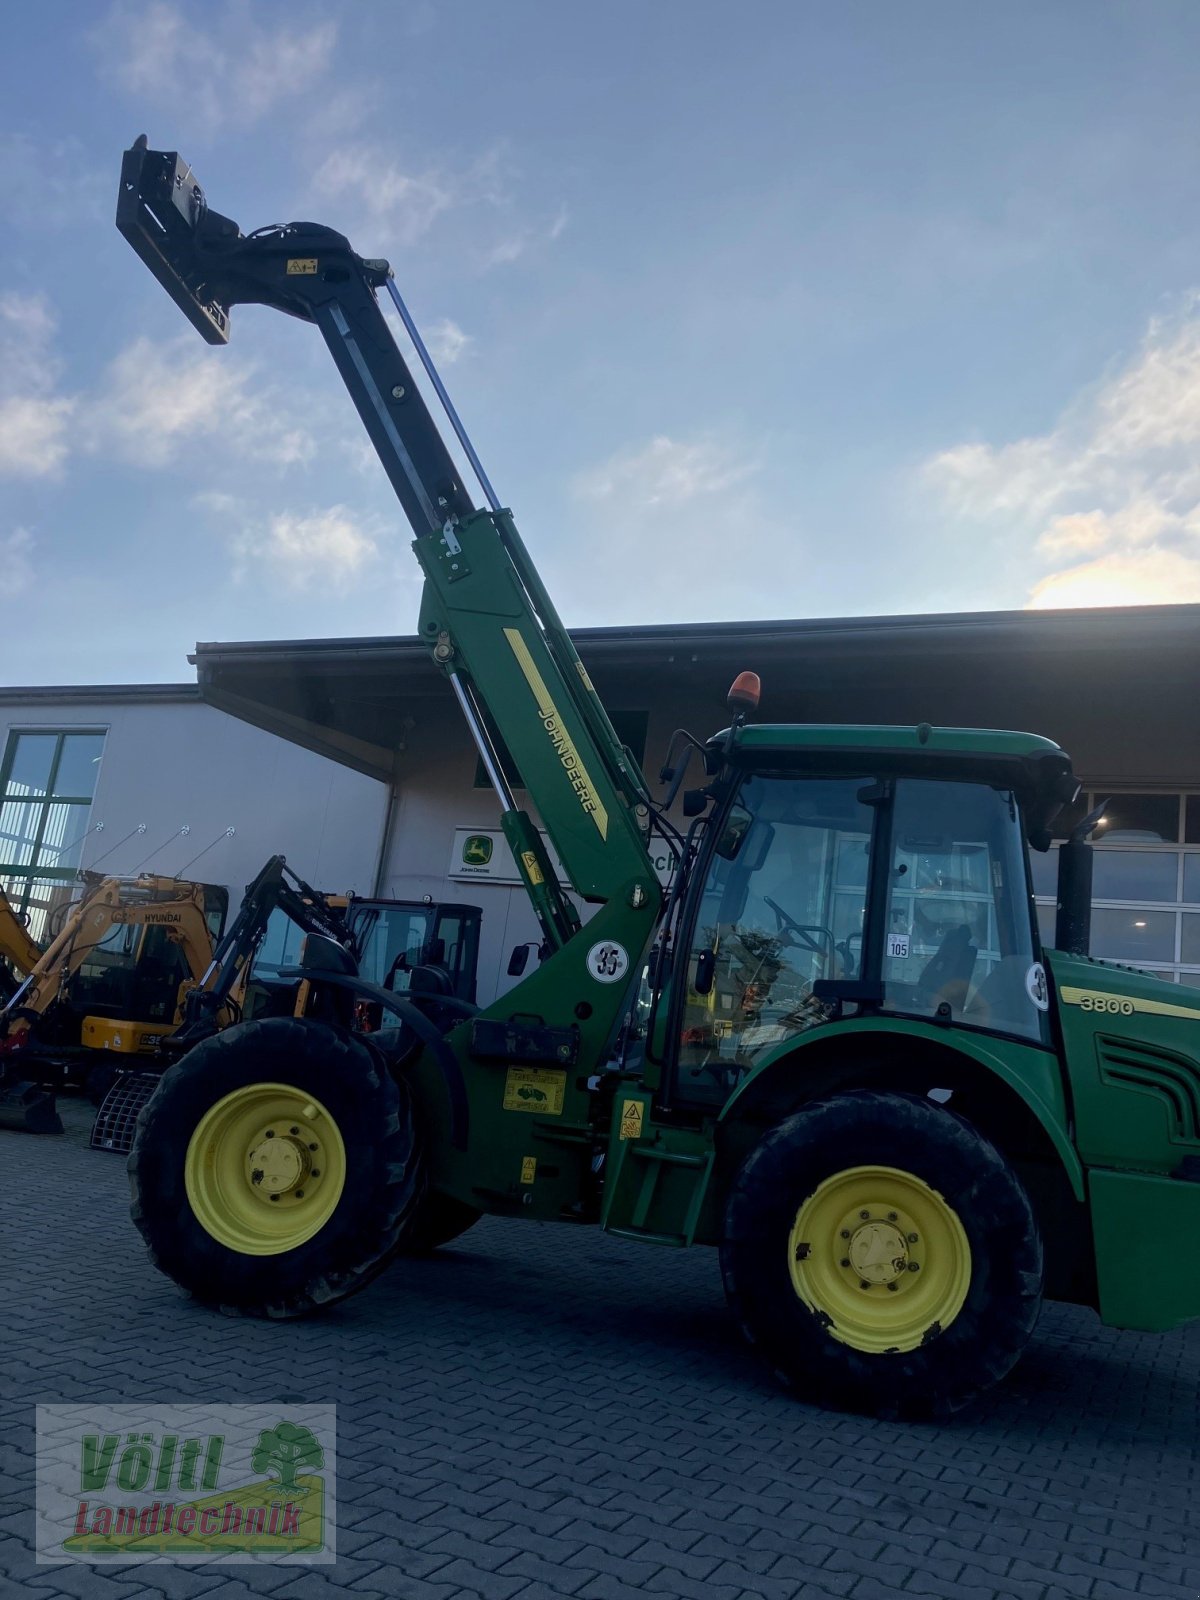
783	905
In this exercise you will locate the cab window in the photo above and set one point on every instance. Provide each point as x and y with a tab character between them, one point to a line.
959	938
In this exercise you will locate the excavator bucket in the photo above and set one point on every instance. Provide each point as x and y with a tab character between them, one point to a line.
26	1107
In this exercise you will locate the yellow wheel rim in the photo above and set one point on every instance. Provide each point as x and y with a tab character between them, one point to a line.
881	1258
265	1169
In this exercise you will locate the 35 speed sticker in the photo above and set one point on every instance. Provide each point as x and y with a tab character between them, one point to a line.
608	962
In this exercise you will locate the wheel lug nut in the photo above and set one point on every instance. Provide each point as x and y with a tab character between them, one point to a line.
865	1215
892	1216
892	1287
312	1147
844	1262
845	1234
912	1238
914	1266
316	1172
863	1284
270	1133
293	1130
299	1194
274	1197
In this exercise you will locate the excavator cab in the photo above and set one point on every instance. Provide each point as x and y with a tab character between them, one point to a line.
135	976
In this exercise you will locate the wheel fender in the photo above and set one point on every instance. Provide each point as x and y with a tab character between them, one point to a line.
1032	1074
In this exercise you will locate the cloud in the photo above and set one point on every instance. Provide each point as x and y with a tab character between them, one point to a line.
16	552
34	418
446	341
33	436
1151	577
226	68
150	404
1109	498
330	549
381	196
523	239
156	400
664	472
383	203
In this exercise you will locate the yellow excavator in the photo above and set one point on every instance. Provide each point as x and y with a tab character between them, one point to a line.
144	968
112	981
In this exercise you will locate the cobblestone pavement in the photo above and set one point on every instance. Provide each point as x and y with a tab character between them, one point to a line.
539	1413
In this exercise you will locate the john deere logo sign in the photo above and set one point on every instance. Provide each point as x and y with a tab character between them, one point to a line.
192	1483
476	850
483	855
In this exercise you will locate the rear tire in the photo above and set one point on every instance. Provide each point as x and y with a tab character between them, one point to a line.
208	1219
824	1281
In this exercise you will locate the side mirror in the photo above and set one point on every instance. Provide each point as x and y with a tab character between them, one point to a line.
706	967
733	835
1073	919
518	961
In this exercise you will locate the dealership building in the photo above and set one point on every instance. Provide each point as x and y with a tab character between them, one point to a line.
350	757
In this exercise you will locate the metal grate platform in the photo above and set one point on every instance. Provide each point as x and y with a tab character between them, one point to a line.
116	1120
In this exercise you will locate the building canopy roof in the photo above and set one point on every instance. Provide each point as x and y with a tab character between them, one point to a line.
1116	686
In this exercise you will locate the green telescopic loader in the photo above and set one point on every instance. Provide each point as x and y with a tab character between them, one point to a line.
834	1047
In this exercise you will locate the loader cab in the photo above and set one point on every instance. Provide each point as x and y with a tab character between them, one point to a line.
861	871
404	945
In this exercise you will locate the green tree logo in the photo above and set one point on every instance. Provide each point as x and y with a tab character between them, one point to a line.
287	1449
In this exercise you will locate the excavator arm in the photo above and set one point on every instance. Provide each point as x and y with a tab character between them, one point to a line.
17	944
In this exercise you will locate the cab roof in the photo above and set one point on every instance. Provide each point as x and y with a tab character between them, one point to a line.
1036	769
865	737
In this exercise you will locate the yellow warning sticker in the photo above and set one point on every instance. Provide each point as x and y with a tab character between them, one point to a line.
534	1089
528	1169
631	1119
531	867
301	264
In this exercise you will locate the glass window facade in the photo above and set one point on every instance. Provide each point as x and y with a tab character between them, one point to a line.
47	782
1145	882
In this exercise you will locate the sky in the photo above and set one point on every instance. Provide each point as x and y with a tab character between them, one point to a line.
756	311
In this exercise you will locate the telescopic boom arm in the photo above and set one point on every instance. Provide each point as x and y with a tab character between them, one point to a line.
485	616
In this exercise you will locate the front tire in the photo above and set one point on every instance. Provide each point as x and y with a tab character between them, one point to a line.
274	1168
882	1256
